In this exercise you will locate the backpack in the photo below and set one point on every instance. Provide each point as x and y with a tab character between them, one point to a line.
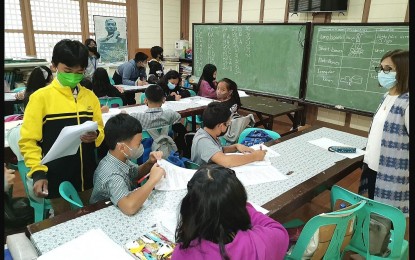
239	123
162	141
256	137
176	159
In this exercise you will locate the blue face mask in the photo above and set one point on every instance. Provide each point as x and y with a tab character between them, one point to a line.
387	80
171	85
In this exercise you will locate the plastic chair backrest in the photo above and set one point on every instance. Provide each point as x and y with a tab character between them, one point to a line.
40	206
192	93
142	97
360	240
68	192
191	165
15	90
110	101
341	219
245	132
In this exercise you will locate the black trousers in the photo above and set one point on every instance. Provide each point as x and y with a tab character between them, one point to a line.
368	180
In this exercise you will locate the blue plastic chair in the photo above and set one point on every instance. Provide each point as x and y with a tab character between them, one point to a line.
69	193
111	101
245	132
42	206
359	243
337	224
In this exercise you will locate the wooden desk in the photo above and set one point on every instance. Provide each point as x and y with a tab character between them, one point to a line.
271	108
280	197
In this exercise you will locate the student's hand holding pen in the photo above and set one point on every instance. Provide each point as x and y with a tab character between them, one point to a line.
244	149
259	154
156	173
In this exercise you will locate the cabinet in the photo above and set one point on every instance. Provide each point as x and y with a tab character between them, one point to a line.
16	73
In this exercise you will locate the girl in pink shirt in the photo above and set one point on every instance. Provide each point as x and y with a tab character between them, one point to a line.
216	222
207	82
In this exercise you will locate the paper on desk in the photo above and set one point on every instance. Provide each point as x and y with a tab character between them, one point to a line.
69	140
325	143
94	244
252	173
176	177
259	208
242	93
9	96
270	153
204	102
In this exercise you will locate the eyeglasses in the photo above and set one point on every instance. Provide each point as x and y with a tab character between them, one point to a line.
385	70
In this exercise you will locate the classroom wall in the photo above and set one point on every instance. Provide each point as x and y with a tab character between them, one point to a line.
149	24
380	11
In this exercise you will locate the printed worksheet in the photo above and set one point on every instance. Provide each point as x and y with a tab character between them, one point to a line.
176	177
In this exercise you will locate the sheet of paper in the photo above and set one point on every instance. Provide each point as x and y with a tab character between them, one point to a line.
127	87
259	208
9	96
325	143
251	174
176	177
242	93
204	102
270	153
69	140
94	244
170	223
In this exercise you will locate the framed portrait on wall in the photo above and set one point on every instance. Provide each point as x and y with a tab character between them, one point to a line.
111	38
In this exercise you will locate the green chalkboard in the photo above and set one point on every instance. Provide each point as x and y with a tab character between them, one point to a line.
342	60
264	58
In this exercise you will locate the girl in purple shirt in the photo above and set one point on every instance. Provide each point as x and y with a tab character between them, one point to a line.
216	222
207	82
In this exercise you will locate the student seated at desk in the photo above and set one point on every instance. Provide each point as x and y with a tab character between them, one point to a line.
206	87
227	93
224	226
132	72
171	85
206	146
116	176
102	87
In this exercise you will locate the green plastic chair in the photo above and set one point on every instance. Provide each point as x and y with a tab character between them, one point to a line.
142	97
15	90
188	120
69	193
111	101
246	131
191	165
42	206
341	221
359	243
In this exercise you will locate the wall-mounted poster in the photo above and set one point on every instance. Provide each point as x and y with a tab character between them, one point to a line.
111	38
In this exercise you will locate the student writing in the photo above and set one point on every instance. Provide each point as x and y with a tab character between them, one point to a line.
206	146
171	85
216	222
116	175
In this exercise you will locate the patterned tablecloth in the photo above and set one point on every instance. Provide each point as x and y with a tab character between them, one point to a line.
304	159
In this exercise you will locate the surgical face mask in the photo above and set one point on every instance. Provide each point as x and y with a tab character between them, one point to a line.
171	85
223	133
387	80
134	153
92	49
69	79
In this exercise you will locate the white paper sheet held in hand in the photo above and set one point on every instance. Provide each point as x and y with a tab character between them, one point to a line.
325	143
69	140
176	177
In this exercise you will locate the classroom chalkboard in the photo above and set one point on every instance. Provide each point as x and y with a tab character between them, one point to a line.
342	59
266	58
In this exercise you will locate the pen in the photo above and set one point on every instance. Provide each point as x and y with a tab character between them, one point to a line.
289	173
142	178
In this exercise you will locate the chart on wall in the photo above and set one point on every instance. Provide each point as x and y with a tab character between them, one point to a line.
111	38
342	60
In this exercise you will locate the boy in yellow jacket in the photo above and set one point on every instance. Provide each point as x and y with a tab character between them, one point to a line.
62	103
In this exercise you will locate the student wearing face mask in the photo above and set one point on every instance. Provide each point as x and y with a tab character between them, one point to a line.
116	175
206	147
385	172
155	65
64	102
92	58
227	93
171	85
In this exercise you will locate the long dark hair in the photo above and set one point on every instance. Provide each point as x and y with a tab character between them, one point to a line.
207	75
231	85
171	74
39	78
87	42
213	209
100	81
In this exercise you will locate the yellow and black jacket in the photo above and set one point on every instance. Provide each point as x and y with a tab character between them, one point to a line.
49	110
